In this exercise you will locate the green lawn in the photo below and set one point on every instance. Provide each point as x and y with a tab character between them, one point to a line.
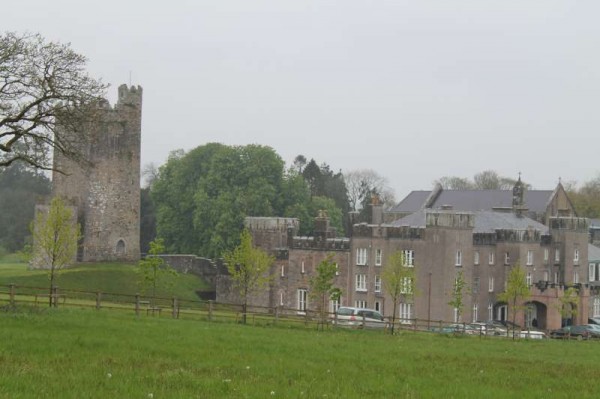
105	277
68	353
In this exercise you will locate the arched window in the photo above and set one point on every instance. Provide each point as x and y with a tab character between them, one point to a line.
120	248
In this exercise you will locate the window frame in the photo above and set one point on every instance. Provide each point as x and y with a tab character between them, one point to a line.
360	283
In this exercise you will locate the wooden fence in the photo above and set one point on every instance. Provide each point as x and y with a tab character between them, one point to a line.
142	305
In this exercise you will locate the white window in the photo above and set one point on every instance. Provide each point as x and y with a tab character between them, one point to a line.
360	304
546	275
576	256
492	258
507	258
529	257
377	284
476	257
458	258
596	309
302	268
361	282
302	299
406	285
575	277
281	299
409	257
556	278
490	311
491	284
475	312
546	255
456	316
594	272
475	285
378	257
406	313
282	271
378	306
529	279
557	255
334	305
361	256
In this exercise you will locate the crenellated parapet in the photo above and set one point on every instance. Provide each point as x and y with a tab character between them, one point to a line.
570	223
318	244
451	219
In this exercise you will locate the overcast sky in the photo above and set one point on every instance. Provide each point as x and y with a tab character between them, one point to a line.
415	90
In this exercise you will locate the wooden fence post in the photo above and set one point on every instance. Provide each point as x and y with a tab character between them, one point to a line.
210	309
12	295
98	300
137	304
175	312
54	296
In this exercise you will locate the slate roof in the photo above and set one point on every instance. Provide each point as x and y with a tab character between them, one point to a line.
474	200
485	221
593	253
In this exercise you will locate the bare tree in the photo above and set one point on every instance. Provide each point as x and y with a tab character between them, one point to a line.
44	92
362	183
55	238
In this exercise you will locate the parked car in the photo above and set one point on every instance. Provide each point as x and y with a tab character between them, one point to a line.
532	334
585	331
594	320
359	318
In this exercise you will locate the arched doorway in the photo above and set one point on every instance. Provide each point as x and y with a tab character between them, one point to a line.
120	249
536	315
500	311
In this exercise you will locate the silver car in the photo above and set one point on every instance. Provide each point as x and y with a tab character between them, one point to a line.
359	318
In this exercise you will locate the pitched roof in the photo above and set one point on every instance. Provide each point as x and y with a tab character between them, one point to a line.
593	253
485	221
474	200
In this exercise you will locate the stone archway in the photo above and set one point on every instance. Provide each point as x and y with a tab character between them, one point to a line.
536	315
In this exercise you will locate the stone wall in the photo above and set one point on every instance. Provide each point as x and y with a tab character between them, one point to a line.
106	190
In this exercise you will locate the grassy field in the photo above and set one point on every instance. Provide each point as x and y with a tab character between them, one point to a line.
104	277
67	353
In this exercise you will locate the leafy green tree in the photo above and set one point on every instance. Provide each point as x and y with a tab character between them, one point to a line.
586	199
457	295
153	271
45	91
55	237
248	268
147	220
19	187
569	303
321	287
202	197
399	281
517	291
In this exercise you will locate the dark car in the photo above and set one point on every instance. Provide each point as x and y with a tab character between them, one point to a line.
584	331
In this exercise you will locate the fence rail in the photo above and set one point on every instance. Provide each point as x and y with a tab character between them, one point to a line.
144	305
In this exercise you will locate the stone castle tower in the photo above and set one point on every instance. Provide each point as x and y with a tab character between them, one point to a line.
106	192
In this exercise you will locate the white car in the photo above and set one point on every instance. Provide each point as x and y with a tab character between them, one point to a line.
359	318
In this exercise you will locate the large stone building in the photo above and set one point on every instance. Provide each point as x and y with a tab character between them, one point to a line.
106	191
479	233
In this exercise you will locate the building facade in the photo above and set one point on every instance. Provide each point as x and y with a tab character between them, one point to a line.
441	244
